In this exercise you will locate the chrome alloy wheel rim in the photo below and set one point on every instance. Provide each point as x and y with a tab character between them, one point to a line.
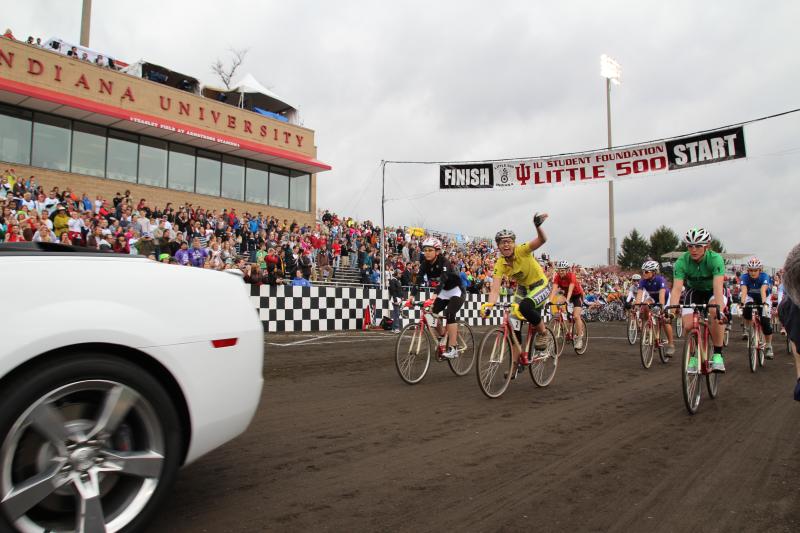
84	457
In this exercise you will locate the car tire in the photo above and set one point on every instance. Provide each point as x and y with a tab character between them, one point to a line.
102	431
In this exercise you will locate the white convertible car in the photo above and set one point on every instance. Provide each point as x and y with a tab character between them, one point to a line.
115	371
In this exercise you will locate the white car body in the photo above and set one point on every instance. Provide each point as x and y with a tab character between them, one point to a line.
159	313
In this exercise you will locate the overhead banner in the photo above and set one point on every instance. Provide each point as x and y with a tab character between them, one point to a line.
629	162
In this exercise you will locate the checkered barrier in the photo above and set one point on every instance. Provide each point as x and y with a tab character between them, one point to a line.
286	308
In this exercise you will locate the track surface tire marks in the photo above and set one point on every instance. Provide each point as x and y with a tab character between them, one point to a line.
339	443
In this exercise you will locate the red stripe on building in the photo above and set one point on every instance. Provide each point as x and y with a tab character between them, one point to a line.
124	114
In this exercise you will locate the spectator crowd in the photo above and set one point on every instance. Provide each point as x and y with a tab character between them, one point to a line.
71	51
266	249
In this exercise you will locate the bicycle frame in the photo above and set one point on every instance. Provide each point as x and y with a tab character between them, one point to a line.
565	317
700	324
508	330
656	319
424	325
755	318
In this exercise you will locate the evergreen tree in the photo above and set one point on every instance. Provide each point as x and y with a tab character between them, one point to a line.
634	251
663	241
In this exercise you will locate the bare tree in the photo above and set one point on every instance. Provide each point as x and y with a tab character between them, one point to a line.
226	72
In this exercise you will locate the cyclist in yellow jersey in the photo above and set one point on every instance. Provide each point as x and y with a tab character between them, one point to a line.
533	287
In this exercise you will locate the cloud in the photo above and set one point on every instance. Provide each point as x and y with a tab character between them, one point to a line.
466	80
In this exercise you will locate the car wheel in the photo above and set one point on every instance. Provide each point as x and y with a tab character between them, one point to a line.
91	442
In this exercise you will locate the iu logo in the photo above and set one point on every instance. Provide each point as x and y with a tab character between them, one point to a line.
523	173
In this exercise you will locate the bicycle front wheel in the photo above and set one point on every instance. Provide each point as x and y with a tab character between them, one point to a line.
494	367
691	381
413	354
727	336
633	330
762	347
559	333
679	326
752	351
544	363
662	340
462	364
712	379
646	344
583	339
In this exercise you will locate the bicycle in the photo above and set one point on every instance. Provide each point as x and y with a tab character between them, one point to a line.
495	366
776	321
634	324
698	344
756	343
413	348
654	333
563	327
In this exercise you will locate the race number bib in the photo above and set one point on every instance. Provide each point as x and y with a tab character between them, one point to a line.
542	296
516	323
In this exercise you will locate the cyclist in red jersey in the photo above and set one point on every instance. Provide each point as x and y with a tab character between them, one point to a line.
568	283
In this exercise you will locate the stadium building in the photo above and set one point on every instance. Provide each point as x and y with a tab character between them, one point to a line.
74	123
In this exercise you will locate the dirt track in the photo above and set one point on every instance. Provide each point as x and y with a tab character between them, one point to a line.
341	444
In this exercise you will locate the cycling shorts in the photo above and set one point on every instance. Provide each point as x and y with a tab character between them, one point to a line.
699	297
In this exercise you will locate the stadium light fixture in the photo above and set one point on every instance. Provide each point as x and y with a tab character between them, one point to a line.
610	69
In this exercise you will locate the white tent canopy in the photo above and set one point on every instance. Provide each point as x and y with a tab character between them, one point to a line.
252	94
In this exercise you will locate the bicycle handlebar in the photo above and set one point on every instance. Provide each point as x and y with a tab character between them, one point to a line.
693	306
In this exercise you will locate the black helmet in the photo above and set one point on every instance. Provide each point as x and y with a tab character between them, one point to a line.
504	234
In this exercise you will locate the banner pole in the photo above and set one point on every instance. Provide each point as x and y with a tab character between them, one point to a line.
383	225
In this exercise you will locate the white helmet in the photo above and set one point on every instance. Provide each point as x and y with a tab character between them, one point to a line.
697	236
432	242
650	266
562	265
755	263
636	277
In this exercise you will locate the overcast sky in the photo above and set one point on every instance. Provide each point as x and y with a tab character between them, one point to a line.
473	80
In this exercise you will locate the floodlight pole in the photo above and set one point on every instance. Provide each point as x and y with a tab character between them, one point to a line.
612	241
86	22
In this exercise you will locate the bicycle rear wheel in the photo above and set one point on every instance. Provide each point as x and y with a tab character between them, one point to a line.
752	352
462	364
494	366
646	344
633	329
544	363
691	382
559	333
584	340
412	354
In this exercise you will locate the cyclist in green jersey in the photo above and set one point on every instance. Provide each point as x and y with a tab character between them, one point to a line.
702	271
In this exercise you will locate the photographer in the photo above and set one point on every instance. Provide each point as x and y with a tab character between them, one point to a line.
789	311
396	295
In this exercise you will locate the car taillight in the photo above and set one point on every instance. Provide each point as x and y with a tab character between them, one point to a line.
224	343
